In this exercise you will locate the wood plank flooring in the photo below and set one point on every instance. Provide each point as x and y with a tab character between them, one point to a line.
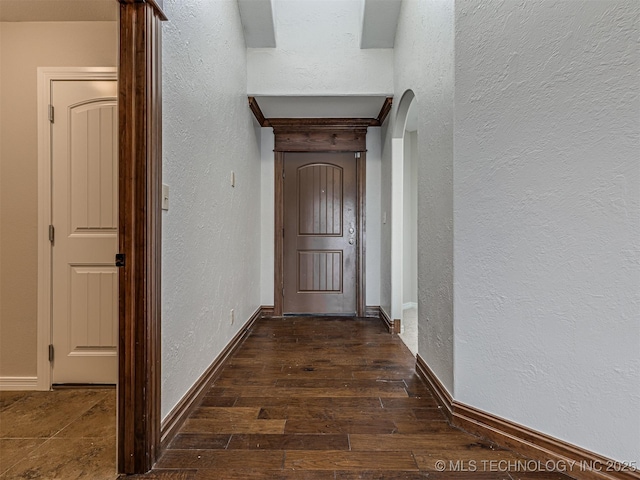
326	398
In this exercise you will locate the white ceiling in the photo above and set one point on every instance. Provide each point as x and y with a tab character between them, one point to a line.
58	10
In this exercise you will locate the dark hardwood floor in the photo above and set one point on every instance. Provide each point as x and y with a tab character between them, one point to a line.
327	398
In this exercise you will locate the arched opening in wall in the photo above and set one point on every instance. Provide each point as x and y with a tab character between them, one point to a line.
404	199
409	324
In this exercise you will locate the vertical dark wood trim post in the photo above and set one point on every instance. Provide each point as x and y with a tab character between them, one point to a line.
361	169
140	187
278	282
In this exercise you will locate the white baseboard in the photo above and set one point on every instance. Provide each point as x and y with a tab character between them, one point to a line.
409	305
18	383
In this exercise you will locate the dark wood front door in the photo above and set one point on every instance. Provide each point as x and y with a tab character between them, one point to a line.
320	233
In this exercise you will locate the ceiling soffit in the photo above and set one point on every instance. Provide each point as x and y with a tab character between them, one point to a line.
379	23
258	23
307	116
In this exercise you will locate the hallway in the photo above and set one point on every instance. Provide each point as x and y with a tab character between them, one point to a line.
322	398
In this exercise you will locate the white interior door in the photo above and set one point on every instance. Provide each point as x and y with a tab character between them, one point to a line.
85	218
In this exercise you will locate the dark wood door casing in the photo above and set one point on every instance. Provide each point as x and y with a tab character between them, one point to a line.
305	137
140	187
320	191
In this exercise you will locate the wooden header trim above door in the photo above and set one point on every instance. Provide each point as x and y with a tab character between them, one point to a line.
320	139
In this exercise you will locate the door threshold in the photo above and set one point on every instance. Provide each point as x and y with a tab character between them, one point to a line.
62	386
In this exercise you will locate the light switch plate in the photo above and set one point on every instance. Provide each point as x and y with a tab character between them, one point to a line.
165	196
233	178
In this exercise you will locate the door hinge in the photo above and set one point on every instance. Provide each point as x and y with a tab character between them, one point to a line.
120	260
51	353
283	174
52	233
357	154
51	113
282	292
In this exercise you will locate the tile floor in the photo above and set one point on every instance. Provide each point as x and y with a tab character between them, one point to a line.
66	434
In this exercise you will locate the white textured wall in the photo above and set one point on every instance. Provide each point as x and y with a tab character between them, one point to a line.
407	280
547	217
385	213
424	64
211	234
410	223
267	216
318	53
372	228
